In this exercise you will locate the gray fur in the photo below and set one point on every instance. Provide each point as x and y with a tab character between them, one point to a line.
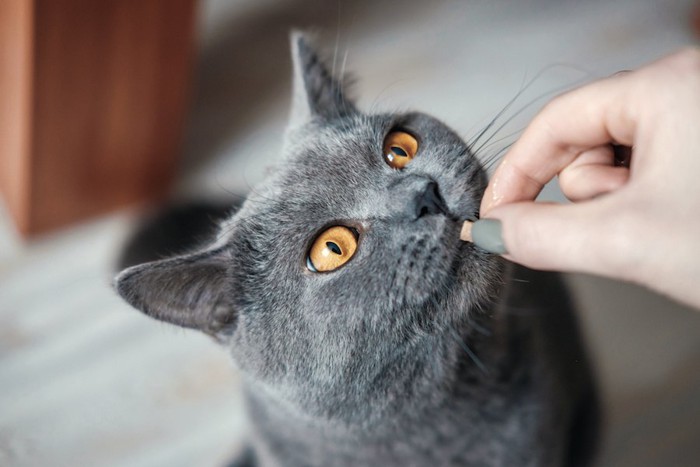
421	351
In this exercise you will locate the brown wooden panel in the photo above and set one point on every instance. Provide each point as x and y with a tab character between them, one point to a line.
108	97
15	72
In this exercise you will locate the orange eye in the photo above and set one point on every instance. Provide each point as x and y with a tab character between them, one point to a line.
332	249
399	149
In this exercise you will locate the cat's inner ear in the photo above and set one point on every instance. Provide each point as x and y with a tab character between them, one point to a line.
316	92
191	291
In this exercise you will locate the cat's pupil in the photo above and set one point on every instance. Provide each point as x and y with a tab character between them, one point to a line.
398	151
334	248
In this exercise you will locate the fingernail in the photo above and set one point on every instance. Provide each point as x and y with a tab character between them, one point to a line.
487	235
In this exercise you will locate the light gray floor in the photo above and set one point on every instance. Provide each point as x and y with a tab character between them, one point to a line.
84	380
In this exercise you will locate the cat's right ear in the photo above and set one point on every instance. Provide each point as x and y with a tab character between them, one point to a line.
316	92
191	291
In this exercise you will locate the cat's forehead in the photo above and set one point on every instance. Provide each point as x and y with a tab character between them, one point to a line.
350	149
334	172
336	147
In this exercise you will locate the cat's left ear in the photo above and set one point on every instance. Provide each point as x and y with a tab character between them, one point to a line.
316	92
191	291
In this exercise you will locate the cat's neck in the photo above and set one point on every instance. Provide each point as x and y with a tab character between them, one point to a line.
471	368
417	376
442	389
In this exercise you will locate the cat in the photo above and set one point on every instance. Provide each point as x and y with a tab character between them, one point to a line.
366	332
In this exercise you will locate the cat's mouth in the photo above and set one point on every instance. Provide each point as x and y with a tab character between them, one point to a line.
441	218
427	256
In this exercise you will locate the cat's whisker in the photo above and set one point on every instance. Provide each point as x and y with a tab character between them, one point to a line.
337	39
522	90
477	327
377	100
493	121
522	109
492	142
469	352
342	67
242	197
489	162
503	150
237	196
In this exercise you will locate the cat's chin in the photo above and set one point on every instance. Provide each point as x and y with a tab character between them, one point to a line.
457	276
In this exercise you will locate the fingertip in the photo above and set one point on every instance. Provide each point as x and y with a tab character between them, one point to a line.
509	184
486	201
548	236
487	235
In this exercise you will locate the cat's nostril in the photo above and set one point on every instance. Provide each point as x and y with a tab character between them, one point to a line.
429	201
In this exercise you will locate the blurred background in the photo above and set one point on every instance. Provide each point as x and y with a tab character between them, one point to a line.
84	380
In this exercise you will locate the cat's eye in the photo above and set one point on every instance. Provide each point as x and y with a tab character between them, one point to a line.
332	248
399	149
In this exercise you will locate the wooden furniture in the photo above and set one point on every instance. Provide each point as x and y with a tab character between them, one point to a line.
92	101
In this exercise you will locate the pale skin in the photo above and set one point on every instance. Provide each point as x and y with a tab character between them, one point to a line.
639	223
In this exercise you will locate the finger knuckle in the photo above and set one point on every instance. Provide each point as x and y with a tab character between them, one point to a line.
551	109
684	64
621	255
683	70
688	57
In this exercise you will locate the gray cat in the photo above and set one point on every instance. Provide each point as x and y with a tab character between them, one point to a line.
367	333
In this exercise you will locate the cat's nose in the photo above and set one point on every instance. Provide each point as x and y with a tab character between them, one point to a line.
429	201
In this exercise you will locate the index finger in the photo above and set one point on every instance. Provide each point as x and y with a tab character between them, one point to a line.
593	115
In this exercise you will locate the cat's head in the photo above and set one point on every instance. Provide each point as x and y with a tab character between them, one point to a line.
344	261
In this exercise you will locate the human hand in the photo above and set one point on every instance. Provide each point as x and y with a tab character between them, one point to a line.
639	223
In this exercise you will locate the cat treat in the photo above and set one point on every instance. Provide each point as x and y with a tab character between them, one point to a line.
466	233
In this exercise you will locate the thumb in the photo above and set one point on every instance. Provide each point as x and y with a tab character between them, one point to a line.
564	237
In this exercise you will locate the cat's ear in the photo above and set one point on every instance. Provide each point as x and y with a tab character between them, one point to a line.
316	92
191	291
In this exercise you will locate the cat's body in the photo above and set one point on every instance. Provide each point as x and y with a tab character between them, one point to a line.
518	406
419	350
